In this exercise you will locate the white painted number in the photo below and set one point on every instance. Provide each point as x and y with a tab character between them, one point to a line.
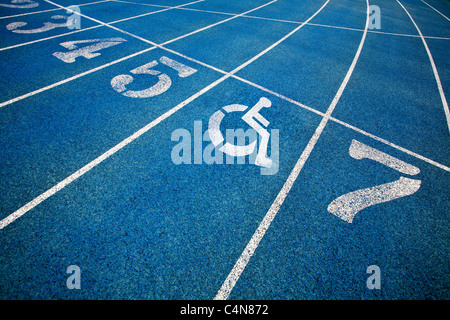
120	82
183	71
348	205
17	4
14	26
88	52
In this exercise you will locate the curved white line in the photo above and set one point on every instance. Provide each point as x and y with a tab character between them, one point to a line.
433	66
249	250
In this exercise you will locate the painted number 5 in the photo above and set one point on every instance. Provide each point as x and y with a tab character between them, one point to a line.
120	82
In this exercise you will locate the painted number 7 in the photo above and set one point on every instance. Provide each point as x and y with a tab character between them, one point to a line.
120	82
348	205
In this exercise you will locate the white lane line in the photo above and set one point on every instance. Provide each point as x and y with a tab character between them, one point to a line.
8	102
408	35
49	10
436	10
378	32
161	46
249	250
433	66
208	11
345	124
278	42
33	203
347	28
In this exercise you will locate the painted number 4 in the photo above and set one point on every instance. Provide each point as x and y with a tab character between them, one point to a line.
120	82
348	205
88	49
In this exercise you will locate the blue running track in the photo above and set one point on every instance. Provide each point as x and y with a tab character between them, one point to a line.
112	185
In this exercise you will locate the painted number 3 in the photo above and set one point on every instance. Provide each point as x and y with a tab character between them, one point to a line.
120	82
20	4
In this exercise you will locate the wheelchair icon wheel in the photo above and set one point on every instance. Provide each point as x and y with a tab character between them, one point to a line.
253	114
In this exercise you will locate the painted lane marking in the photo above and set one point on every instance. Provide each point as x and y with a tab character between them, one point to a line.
250	118
393	145
345	124
169	41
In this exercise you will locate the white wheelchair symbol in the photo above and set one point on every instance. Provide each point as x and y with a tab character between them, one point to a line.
250	117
